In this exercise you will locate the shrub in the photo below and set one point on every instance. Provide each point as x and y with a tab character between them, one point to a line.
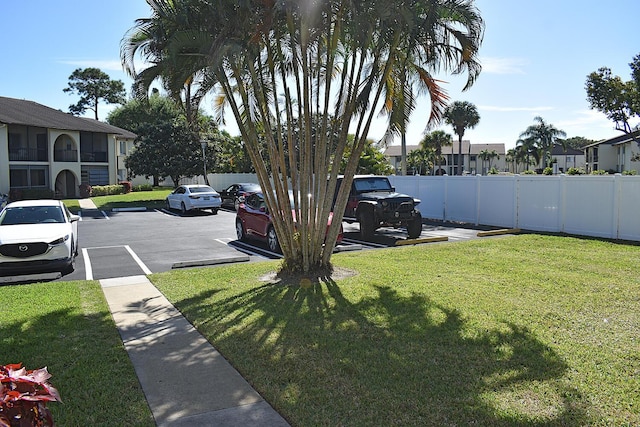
575	171
85	191
30	194
107	190
143	187
631	172
599	172
547	171
528	172
24	396
493	171
126	185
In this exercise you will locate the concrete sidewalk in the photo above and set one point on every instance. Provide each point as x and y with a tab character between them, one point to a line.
185	380
87	204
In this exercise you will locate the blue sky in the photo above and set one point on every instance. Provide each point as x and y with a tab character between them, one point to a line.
535	57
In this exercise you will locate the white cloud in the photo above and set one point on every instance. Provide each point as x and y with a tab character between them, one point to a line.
494	65
104	65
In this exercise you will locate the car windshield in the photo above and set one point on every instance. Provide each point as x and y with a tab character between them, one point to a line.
372	184
202	190
32	215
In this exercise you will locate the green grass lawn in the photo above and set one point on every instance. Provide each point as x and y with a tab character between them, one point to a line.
523	330
150	199
67	327
527	330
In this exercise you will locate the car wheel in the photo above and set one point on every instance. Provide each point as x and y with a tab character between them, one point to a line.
242	235
70	268
367	224
272	240
167	204
414	228
236	204
214	211
183	208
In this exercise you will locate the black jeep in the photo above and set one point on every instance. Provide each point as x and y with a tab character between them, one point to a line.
374	203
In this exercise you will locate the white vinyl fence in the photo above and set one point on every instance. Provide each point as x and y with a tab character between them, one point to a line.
591	205
588	205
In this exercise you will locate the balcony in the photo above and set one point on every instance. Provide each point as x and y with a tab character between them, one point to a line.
28	155
94	156
65	155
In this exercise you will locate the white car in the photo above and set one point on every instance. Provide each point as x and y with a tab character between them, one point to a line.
194	197
37	236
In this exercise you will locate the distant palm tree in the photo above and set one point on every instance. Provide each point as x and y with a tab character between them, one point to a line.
545	134
461	115
484	156
526	148
512	159
435	141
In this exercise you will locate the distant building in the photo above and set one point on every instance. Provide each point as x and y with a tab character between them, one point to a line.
473	163
567	159
46	149
618	154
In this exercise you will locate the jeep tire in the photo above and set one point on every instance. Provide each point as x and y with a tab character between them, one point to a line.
367	224
414	227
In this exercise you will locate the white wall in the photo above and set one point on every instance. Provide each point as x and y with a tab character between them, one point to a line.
601	206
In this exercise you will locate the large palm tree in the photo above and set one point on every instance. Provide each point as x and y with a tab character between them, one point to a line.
436	140
461	115
545	134
298	78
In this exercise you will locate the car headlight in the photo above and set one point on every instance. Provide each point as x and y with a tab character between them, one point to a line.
385	203
59	241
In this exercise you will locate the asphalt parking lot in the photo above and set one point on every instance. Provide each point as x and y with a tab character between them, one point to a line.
129	243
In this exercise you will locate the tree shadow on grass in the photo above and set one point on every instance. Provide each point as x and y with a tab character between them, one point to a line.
88	364
390	359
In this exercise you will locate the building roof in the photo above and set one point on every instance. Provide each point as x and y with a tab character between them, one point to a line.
22	112
467	147
620	139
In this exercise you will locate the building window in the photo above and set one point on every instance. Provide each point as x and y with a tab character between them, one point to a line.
123	148
29	176
94	175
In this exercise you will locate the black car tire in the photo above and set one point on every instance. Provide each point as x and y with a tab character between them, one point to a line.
214	211
236	203
367	224
183	208
167	205
240	232
272	240
414	227
70	268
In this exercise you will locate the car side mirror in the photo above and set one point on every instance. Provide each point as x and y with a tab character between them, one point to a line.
74	218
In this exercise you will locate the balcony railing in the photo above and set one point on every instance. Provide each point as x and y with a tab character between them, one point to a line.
65	155
94	156
28	154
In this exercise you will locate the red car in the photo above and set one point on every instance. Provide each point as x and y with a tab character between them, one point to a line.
254	221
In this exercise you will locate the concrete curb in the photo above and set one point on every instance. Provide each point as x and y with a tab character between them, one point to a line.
424	240
134	209
214	261
498	232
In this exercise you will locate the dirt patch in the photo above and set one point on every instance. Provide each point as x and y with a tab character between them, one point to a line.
338	274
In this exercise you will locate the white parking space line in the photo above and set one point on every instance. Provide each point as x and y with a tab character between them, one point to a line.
87	264
104	214
137	260
225	241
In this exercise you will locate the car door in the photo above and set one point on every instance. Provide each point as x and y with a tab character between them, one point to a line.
175	198
257	219
229	195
